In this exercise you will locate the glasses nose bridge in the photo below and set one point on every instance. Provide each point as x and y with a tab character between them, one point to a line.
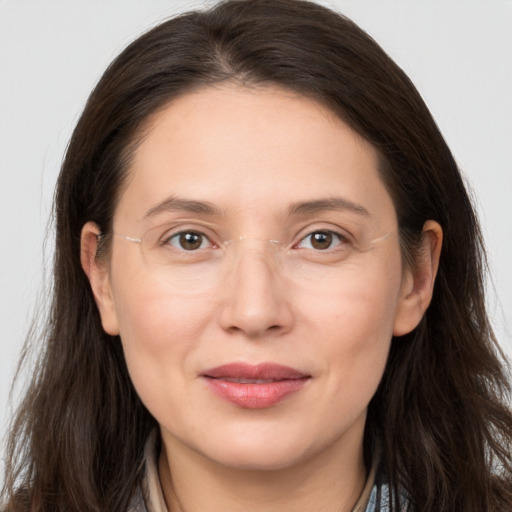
245	247
252	260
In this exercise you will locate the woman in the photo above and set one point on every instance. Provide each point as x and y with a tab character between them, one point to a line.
268	287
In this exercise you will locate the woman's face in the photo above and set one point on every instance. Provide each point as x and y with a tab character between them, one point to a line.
257	314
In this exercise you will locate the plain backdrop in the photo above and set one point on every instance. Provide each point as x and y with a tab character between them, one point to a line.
458	53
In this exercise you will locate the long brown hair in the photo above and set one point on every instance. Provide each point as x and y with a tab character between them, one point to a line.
441	410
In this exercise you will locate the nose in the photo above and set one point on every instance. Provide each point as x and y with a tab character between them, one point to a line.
255	300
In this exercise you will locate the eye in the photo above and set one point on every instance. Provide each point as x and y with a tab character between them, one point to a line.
321	240
188	241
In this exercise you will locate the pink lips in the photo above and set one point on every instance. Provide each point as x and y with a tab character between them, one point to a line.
254	386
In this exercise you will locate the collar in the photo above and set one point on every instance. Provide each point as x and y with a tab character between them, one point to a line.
149	496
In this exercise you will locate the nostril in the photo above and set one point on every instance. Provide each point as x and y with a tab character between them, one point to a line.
273	328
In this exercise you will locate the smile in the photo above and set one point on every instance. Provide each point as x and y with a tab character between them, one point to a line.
254	386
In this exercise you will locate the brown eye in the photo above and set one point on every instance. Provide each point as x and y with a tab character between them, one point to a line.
321	240
189	241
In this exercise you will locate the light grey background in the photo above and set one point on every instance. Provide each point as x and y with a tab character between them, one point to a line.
458	53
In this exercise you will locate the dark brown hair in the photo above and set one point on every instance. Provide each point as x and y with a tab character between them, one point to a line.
441	409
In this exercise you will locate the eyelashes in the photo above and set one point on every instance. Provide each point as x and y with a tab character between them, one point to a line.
194	240
189	241
322	240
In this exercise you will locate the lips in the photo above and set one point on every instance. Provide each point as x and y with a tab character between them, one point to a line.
254	386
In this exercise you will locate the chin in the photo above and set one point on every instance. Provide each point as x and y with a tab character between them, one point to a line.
267	453
261	459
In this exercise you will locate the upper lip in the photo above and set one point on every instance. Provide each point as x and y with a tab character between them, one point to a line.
263	371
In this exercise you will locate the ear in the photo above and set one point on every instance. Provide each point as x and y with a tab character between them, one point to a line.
418	283
99	277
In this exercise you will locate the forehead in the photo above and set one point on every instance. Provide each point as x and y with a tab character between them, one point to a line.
240	148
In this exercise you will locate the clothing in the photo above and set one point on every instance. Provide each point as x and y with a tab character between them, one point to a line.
149	496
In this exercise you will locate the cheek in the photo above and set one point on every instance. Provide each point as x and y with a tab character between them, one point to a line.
357	338
154	316
352	322
159	332
357	305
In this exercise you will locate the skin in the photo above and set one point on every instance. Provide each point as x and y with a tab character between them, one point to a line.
253	154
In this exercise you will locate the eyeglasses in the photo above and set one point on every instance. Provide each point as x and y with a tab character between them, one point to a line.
200	260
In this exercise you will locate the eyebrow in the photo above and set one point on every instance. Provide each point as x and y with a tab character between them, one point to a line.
331	203
176	204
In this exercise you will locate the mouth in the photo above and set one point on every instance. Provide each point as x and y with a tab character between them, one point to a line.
254	386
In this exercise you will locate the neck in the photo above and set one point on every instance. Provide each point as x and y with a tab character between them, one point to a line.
329	481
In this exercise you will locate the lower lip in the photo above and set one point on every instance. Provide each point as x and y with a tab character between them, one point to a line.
255	396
